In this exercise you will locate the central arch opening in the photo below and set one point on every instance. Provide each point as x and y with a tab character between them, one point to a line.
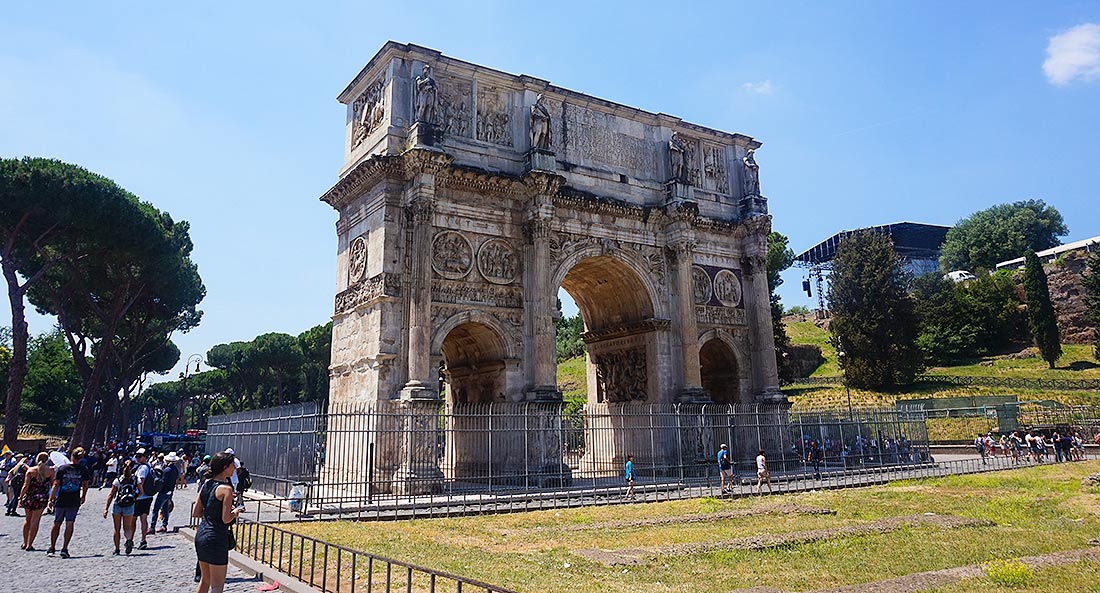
614	306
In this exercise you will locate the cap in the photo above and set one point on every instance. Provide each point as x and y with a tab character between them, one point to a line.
140	451
231	451
206	458
172	457
723	446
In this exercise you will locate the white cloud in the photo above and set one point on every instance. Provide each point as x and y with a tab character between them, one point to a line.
764	87
1074	55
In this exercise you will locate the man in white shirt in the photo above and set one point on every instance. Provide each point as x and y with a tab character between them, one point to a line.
145	497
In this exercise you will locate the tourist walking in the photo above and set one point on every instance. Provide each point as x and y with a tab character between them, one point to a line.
124	493
815	455
725	469
163	506
70	488
14	480
629	475
34	497
762	474
6	465
149	488
213	540
111	469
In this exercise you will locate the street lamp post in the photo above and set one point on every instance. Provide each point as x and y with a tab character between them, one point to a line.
197	359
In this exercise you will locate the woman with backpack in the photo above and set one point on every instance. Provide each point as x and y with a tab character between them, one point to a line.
34	498
213	539
125	486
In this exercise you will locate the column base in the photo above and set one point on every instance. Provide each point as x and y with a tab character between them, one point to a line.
421	480
548	393
694	395
771	395
418	390
678	190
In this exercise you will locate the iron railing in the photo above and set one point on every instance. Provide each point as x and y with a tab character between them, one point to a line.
338	569
398	459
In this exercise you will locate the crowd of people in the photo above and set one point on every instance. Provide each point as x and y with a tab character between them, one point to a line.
1033	446
142	483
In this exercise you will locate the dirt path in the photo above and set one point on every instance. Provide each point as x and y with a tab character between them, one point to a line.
759	542
774	509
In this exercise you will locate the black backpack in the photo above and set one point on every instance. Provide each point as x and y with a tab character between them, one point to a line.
127	492
244	479
153	481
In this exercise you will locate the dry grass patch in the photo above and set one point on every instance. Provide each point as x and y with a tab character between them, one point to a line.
1032	511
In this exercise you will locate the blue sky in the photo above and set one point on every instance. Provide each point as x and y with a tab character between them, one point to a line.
870	112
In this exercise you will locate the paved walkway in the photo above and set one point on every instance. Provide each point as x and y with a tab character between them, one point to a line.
168	566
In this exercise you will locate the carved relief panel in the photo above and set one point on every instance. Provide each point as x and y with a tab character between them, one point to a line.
455	105
494	115
727	288
497	261
357	259
715	169
368	111
621	376
701	285
593	136
452	255
691	160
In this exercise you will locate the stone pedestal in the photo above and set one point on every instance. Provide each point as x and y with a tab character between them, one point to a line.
418	471
753	205
423	134
678	190
539	159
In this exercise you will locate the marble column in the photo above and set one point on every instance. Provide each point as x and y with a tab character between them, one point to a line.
683	252
540	293
764	370
422	170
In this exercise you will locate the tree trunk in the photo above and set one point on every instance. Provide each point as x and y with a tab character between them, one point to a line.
82	432
124	417
17	371
108	411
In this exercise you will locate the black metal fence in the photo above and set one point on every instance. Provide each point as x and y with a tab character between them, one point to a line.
397	458
338	569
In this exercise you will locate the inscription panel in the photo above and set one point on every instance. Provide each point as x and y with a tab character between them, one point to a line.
708	315
591	135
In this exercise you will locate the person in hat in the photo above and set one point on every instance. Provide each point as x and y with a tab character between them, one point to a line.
725	468
200	473
163	505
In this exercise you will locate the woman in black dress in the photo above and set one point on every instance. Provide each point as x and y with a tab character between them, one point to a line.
212	540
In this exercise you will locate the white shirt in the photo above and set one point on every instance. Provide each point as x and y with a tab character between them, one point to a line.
760	463
142	472
112	464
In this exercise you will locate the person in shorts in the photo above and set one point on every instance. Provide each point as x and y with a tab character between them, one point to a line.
762	475
70	487
725	468
124	491
145	496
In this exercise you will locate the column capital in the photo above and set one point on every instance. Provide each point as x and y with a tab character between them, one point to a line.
754	264
681	251
540	183
419	211
424	161
537	227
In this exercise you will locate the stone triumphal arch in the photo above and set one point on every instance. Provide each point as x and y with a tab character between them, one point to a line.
468	196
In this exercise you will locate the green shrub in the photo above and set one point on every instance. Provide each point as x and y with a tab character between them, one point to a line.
1011	573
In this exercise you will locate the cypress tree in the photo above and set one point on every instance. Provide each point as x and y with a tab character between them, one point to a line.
1091	283
1041	320
874	321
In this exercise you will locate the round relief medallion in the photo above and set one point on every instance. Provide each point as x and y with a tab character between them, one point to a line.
700	284
497	261
452	256
727	288
357	259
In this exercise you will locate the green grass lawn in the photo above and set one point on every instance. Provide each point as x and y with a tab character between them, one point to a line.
1033	511
1076	361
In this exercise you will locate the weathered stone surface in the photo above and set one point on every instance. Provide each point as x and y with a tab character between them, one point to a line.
469	195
